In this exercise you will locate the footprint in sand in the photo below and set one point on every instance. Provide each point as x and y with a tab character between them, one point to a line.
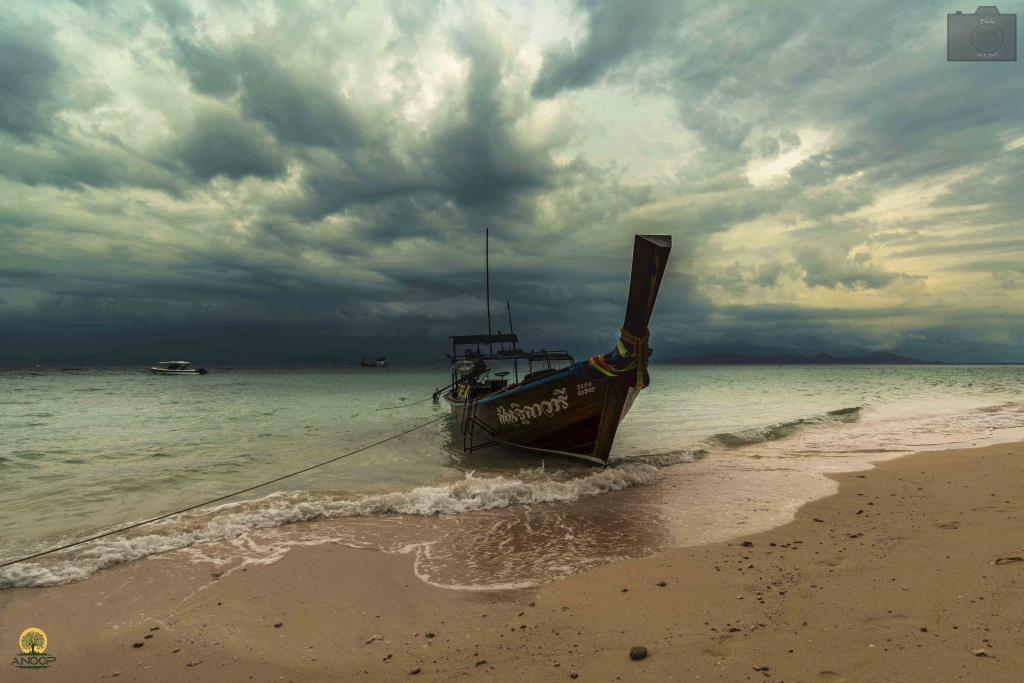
725	648
884	621
835	561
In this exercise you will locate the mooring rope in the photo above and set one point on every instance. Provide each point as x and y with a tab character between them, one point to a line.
406	405
216	500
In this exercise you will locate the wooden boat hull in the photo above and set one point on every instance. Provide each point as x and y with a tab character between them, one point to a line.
562	414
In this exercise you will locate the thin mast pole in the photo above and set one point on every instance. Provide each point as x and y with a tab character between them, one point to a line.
487	267
515	363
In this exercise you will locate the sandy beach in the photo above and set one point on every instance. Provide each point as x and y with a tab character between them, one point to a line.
897	577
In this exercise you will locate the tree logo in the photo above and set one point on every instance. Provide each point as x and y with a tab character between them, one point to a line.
33	641
33	647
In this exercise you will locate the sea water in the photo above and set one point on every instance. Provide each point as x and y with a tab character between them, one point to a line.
705	453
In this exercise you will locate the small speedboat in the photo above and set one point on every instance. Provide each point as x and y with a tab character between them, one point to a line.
176	367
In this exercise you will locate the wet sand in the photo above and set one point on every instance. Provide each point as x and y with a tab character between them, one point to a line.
895	577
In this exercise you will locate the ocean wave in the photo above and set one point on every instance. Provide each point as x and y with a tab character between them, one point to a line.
232	520
781	430
661	459
811	438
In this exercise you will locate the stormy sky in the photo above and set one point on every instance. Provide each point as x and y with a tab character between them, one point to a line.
299	182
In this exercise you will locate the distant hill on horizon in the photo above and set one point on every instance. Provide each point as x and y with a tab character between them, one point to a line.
876	358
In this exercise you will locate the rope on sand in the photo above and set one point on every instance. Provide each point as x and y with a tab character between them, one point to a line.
216	500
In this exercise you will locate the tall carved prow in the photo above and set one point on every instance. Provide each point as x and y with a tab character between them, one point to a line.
650	257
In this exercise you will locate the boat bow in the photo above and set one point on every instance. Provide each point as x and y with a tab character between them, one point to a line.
632	353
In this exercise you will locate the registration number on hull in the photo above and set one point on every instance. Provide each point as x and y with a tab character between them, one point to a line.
517	414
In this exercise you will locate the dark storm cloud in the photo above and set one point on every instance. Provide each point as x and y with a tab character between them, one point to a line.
797	63
616	31
29	69
36	84
299	111
63	163
221	144
325	171
768	329
471	157
479	158
427	214
474	159
210	71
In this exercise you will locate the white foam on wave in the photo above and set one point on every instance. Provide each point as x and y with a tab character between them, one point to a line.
232	520
820	444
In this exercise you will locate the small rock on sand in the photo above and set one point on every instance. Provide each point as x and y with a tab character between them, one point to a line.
662	584
981	653
747	544
137	644
279	624
415	671
374	639
637	653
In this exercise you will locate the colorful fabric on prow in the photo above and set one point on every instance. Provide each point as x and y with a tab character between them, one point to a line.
631	353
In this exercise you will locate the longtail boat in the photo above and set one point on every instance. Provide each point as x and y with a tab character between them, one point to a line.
560	406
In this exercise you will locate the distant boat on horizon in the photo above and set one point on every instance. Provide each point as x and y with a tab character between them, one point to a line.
377	362
176	367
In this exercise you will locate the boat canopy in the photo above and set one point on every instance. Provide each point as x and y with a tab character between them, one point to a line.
485	339
175	364
519	354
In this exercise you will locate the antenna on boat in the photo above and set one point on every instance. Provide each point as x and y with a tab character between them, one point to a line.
509	307
511	330
487	268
